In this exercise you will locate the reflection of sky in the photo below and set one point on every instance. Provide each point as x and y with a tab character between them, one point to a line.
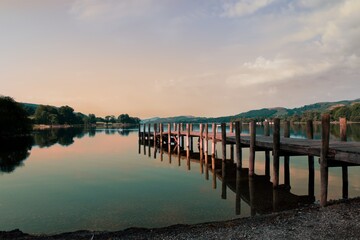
103	183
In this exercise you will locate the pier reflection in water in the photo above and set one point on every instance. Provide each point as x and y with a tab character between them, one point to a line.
256	191
171	141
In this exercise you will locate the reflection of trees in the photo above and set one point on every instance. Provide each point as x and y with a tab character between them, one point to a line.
63	136
92	132
124	132
353	131
13	151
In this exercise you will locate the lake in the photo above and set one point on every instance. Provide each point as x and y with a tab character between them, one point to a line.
64	180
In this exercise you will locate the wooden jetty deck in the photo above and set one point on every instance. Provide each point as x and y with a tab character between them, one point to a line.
331	153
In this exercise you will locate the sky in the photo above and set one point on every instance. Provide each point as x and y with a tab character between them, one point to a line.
166	58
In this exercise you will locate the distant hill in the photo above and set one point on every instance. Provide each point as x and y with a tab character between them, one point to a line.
259	113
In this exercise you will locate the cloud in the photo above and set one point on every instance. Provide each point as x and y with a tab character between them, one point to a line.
110	9
244	7
263	70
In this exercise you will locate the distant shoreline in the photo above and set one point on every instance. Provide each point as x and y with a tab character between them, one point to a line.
112	125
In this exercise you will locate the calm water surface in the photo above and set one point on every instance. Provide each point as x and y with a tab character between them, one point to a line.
72	179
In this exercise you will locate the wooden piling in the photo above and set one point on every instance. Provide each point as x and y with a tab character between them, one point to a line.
206	143
155	132
311	183
161	130
287	157
149	140
188	146
223	142
238	145
201	141
169	135
267	152
178	141
252	130
343	138
191	138
143	134
324	170
231	130
276	152
213	146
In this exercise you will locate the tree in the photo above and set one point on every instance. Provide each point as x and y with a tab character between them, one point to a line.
92	118
13	118
66	115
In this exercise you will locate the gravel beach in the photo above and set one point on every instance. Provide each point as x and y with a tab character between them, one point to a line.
339	220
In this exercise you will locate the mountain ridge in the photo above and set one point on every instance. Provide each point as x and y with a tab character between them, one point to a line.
260	113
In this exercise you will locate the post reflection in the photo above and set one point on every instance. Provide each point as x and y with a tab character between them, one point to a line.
257	191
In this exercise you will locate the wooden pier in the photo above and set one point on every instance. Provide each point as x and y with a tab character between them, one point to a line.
331	153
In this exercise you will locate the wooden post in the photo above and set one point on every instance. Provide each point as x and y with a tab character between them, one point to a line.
238	145
187	142
191	138
201	141
252	130
161	141
175	129
276	152
310	135
169	135
178	138
206	143
161	135
267	152
213	145
149	140
231	130
287	157
143	134
155	132
182	137
223	141
324	170
343	138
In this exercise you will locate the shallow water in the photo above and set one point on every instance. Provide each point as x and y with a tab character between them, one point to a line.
96	179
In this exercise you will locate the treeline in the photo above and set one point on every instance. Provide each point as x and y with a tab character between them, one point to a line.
65	115
14	119
350	112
